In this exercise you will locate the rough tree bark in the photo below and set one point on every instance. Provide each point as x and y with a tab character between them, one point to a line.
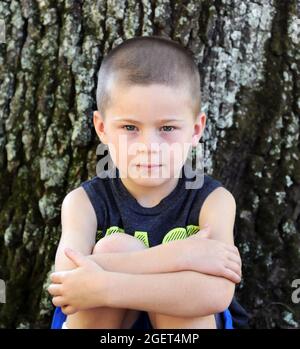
248	55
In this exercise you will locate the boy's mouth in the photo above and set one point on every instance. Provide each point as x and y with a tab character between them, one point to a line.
148	165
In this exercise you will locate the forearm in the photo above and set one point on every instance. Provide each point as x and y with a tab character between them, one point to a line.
62	262
183	294
164	258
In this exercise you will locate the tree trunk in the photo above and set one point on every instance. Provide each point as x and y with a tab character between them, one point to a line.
248	55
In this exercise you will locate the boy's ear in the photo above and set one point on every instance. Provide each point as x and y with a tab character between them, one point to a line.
99	126
199	127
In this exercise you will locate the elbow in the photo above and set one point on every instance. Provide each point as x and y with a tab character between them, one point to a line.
220	298
225	296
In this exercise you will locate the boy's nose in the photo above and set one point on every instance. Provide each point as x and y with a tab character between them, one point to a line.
149	141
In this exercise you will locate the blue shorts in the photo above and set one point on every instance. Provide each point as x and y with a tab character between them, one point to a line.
223	320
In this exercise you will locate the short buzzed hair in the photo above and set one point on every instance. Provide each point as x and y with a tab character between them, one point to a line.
148	60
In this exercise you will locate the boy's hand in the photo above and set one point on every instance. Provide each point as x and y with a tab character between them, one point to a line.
80	288
214	257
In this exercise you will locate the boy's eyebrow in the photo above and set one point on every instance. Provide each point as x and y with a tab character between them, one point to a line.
138	122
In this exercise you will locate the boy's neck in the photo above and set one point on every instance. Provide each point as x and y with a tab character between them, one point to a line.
149	196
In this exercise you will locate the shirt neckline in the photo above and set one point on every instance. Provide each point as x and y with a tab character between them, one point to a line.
131	201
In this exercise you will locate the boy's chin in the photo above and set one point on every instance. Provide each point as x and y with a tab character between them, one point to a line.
149	182
149	178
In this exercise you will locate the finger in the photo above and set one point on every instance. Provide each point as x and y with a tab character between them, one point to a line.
234	267
232	276
232	249
68	310
58	301
57	277
55	290
78	258
234	258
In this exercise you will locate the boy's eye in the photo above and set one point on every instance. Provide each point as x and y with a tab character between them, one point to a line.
132	128
128	127
168	128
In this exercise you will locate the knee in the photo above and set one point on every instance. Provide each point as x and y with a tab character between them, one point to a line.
118	242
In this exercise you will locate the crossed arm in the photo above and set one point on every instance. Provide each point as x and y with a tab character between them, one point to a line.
178	278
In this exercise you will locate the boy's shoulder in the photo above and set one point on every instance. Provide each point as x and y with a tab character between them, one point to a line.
88	193
75	196
219	210
217	193
77	204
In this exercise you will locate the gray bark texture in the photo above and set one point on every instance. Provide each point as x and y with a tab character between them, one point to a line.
249	59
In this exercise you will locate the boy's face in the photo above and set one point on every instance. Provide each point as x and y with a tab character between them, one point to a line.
149	131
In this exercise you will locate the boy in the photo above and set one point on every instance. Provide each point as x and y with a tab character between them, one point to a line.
153	267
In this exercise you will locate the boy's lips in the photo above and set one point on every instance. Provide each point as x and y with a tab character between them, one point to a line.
149	165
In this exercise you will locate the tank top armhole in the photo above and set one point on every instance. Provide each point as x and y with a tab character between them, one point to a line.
96	201
201	197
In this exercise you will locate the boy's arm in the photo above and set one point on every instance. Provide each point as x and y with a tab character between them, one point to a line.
194	253
219	210
185	293
209	257
79	225
180	294
162	258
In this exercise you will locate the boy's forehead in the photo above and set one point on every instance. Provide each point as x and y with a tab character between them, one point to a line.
154	90
159	100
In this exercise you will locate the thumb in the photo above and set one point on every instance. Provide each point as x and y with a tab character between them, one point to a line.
76	257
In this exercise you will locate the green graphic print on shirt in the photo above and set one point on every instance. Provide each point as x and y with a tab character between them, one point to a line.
179	233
